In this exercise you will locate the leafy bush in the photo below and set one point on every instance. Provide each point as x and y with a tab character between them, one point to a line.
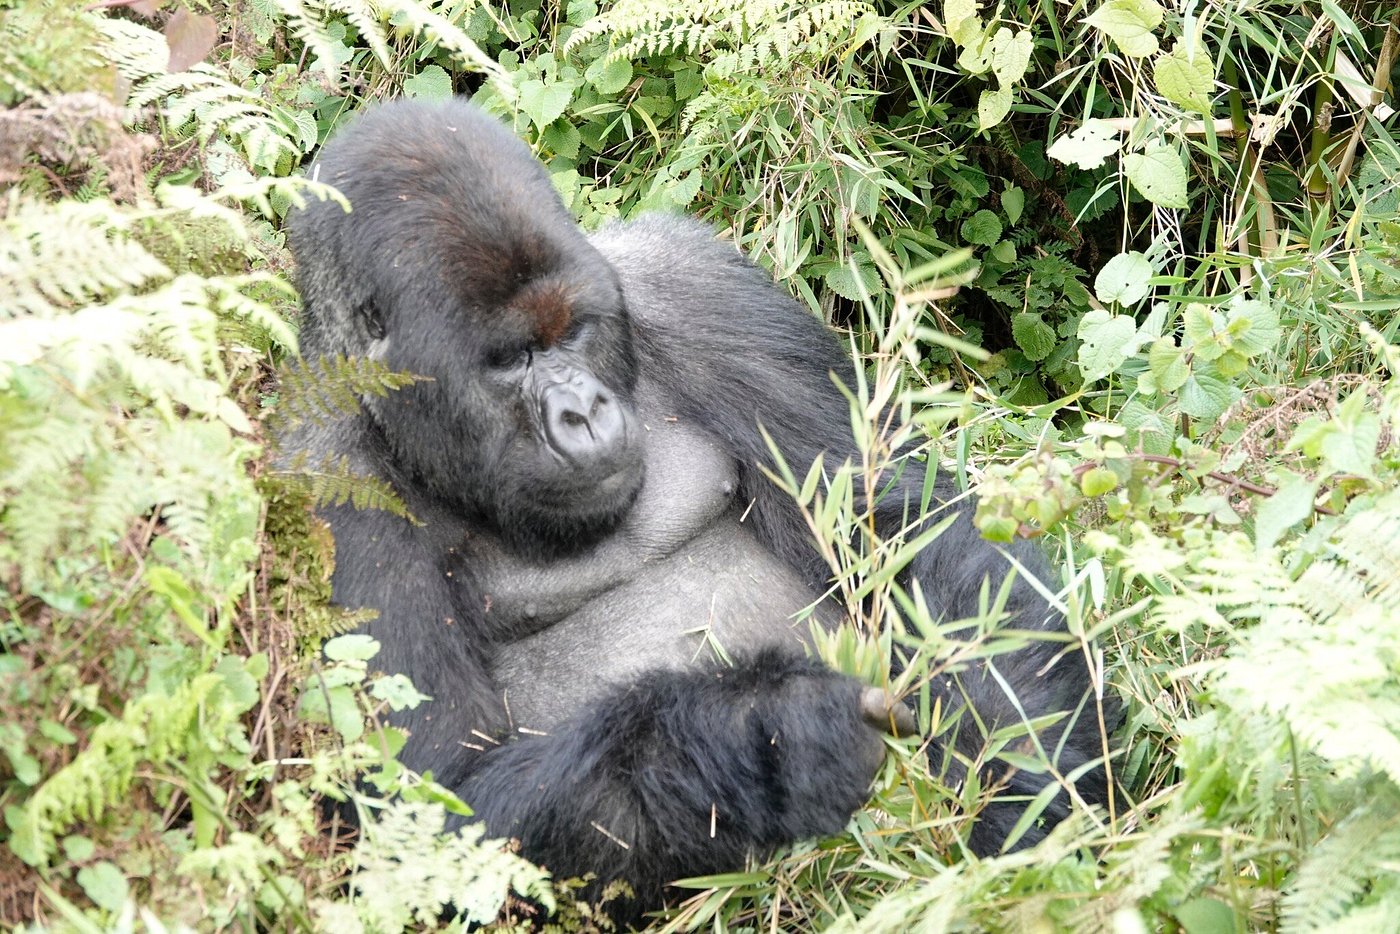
1138	262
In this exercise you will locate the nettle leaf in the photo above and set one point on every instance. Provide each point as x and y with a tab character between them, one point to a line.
1166	364
545	103
353	646
1206	397
433	83
1200	322
1106	342
398	691
982	228
1035	338
609	76
1158	175
1011	54
993	104
1088	146
1253	326
841	280
1129	23
1184	79
105	884
1124	279
1291	504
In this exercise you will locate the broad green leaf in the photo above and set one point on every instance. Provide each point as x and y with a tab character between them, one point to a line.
545	103
1253	326
77	848
1013	202
1124	279
1148	430
1035	338
1167	365
1206	916
1088	146
983	228
843	282
352	646
433	83
1098	481
1186	80
1350	447
1158	175
104	884
1276	514
336	706
1010	54
1107	341
398	691
993	104
1004	252
685	189
609	76
1129	23
1205	397
1200	325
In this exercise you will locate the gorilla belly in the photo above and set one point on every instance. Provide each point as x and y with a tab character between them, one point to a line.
720	595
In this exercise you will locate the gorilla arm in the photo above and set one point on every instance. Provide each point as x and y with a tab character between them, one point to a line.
685	773
739	353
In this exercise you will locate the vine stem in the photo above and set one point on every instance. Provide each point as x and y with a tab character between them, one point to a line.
1216	475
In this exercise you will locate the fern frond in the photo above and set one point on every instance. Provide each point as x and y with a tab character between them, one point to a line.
332	387
54	257
155	728
333	482
1339	870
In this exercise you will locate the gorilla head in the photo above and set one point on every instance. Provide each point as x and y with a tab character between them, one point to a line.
492	292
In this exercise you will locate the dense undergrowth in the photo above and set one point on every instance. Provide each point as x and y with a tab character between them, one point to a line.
1131	267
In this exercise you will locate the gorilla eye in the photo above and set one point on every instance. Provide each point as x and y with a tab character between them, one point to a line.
504	358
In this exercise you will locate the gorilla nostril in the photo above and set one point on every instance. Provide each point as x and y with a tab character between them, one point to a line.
573	419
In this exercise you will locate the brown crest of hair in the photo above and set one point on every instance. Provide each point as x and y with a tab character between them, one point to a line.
549	308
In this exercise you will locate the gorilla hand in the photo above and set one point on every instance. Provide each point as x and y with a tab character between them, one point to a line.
687	773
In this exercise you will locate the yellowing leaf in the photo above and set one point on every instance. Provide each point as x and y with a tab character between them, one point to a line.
992	107
1010	54
1185	80
1129	23
1158	175
961	21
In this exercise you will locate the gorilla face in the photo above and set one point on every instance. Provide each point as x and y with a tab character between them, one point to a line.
540	437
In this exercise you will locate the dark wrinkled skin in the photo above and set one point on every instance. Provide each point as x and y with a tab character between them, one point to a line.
585	462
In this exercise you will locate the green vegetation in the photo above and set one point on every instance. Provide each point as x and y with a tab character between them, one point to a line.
1132	269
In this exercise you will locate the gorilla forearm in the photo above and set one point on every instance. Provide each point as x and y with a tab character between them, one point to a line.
685	773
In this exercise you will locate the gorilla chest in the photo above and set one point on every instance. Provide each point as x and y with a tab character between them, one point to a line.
682	579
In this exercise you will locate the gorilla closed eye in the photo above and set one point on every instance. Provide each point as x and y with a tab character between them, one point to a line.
506	358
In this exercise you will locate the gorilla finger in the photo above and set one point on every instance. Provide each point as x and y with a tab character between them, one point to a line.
884	711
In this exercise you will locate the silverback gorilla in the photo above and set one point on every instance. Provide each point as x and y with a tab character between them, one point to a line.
585	465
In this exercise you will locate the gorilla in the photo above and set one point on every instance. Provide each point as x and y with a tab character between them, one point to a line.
603	593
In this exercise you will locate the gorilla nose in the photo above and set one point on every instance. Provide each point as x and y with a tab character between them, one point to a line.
583	422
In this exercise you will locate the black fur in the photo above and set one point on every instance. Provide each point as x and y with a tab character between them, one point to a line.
530	598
